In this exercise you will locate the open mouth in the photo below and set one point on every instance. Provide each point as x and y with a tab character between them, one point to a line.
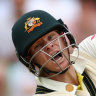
57	56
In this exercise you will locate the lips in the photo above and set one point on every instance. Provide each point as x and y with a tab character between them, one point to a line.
57	56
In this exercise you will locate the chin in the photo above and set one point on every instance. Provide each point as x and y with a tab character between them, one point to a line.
63	66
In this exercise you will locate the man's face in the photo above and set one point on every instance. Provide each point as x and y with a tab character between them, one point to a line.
49	51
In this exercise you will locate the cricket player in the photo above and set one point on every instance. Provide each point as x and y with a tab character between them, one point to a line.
46	46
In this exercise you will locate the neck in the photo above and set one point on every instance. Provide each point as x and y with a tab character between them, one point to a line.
70	76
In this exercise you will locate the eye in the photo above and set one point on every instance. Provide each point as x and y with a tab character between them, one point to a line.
52	37
37	46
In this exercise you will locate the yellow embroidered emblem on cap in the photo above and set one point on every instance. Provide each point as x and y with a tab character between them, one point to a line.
32	23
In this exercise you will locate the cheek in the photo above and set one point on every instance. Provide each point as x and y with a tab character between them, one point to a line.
62	43
40	58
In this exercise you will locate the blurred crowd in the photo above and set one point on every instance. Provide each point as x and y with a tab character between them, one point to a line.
79	15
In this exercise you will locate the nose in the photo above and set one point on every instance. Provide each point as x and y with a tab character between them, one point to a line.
49	47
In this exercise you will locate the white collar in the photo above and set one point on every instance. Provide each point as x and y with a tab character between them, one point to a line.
57	86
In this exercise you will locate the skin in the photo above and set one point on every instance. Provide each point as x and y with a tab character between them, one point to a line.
69	76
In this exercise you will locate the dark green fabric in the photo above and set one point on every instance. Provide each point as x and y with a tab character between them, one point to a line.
22	39
43	90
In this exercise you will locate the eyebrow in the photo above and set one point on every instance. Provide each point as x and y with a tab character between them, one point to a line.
39	40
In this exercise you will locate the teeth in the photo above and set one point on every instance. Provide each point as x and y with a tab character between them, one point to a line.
59	59
54	54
